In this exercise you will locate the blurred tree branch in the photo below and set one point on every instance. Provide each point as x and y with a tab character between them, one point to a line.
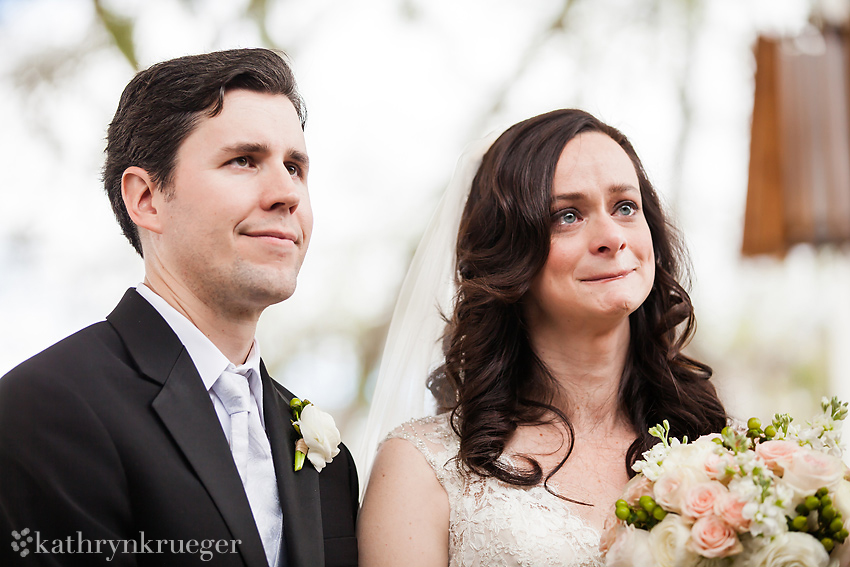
120	29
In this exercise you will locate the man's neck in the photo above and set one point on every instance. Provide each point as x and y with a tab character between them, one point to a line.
232	333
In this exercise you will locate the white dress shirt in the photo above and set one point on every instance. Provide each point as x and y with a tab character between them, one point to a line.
209	361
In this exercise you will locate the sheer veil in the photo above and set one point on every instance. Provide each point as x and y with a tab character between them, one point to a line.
413	348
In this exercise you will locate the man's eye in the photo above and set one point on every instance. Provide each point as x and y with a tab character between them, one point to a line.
293	170
241	161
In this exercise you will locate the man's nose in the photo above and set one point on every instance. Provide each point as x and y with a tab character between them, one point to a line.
280	189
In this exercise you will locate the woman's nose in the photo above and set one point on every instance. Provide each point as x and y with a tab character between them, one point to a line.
608	236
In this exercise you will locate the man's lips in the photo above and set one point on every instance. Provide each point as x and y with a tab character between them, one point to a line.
273	235
607	277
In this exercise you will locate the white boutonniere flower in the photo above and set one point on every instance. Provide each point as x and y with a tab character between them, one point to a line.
318	436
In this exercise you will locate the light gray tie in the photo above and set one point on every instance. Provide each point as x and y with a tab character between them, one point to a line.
253	457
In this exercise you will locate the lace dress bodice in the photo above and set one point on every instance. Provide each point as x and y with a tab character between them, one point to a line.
495	523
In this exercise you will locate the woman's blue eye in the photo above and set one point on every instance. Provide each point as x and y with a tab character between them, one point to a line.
627	209
568	217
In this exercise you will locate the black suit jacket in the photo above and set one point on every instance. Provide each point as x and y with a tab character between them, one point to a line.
110	435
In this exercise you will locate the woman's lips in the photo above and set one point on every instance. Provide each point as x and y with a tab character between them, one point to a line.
602	278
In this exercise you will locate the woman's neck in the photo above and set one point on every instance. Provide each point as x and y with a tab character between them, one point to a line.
588	367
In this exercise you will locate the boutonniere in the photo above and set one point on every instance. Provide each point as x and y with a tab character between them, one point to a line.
318	437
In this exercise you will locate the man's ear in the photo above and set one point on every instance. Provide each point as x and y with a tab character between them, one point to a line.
141	198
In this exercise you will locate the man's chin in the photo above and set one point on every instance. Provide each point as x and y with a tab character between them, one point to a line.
263	292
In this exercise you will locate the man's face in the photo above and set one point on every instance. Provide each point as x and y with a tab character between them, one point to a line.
237	222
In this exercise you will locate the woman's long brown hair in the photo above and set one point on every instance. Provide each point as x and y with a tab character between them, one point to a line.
492	380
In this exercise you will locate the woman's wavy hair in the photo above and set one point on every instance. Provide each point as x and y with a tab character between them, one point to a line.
492	380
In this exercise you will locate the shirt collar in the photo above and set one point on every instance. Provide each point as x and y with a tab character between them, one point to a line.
209	361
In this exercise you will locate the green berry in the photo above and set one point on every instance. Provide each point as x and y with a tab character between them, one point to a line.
623	513
799	523
842	535
836	525
754	423
827	543
828	513
802	509
647	503
641	515
822	491
659	513
770	432
812	502
826	500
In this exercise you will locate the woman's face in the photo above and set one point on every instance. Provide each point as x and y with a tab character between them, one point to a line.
601	264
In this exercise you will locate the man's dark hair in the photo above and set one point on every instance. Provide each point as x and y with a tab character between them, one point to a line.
161	106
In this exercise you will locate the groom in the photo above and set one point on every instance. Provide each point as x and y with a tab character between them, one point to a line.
157	437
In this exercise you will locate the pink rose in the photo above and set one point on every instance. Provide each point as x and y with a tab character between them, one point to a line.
609	535
712	537
730	509
672	486
638	486
776	453
809	470
701	498
720	467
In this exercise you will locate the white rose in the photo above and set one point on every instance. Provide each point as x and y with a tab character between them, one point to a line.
791	549
320	434
667	541
630	549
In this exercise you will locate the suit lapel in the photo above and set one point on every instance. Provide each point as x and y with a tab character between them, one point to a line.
299	491
184	406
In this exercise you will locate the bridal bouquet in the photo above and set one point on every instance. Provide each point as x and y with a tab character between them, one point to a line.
765	497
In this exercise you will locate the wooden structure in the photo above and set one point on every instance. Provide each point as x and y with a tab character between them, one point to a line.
799	175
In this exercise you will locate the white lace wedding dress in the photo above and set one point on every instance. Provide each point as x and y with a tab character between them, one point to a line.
494	523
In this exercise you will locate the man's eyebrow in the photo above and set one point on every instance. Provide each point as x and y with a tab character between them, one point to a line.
300	158
246	148
578	196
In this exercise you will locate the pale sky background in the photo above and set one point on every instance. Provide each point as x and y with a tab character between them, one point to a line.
394	90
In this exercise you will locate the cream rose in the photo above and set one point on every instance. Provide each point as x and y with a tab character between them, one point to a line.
777	453
841	498
809	470
701	499
672	486
712	537
629	549
791	549
320	434
668	541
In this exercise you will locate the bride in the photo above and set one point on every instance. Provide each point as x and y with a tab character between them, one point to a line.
564	346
